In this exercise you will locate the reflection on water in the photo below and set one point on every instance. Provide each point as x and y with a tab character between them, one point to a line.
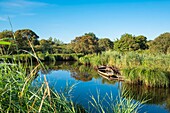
89	81
157	96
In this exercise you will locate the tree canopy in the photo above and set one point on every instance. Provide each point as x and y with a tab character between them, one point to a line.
6	34
8	45
128	42
22	37
161	44
105	44
85	44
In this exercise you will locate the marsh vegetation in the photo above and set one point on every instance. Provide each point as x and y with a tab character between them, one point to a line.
140	61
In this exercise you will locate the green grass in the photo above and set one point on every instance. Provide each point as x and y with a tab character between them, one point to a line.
146	76
42	57
17	94
152	70
122	104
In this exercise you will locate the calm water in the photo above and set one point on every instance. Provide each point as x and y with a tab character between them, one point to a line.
88	82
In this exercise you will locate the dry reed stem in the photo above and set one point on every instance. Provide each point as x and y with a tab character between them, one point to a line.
48	89
27	80
42	101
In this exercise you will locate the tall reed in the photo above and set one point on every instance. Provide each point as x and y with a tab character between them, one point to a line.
138	67
122	104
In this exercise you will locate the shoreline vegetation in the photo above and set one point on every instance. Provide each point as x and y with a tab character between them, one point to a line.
18	95
42	57
151	70
140	61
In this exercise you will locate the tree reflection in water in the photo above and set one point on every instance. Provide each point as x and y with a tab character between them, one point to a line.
83	73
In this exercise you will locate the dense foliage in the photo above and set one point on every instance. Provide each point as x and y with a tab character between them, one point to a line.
24	36
88	43
128	42
7	48
105	44
161	44
85	44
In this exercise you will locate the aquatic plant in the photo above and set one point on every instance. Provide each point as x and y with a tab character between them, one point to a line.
122	104
146	76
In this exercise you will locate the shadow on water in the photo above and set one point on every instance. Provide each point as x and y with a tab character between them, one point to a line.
157	96
88	76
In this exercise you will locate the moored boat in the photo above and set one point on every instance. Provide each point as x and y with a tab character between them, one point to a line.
111	73
105	71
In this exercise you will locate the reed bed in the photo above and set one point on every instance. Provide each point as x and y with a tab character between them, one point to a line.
145	76
138	67
42	57
18	95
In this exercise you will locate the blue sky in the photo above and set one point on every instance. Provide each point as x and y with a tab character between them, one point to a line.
66	19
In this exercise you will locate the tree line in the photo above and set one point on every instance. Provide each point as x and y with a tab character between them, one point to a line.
22	40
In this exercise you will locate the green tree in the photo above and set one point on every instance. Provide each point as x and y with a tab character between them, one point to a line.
142	41
85	44
125	43
161	44
22	37
128	42
45	46
7	36
105	44
50	41
58	42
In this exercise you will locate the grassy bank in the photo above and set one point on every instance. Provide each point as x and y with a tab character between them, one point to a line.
18	95
42	57
148	69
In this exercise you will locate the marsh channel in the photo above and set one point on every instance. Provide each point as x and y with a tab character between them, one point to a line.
88	82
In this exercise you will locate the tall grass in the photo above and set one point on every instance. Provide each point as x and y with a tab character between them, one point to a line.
138	67
122	104
17	94
145	76
42	57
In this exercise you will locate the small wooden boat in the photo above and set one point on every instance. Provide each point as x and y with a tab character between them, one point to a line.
105	71
111	73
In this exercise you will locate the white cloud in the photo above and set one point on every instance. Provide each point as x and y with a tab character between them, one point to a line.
3	19
20	7
21	4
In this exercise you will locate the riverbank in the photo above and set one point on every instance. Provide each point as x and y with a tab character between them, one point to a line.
19	95
42	57
152	70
